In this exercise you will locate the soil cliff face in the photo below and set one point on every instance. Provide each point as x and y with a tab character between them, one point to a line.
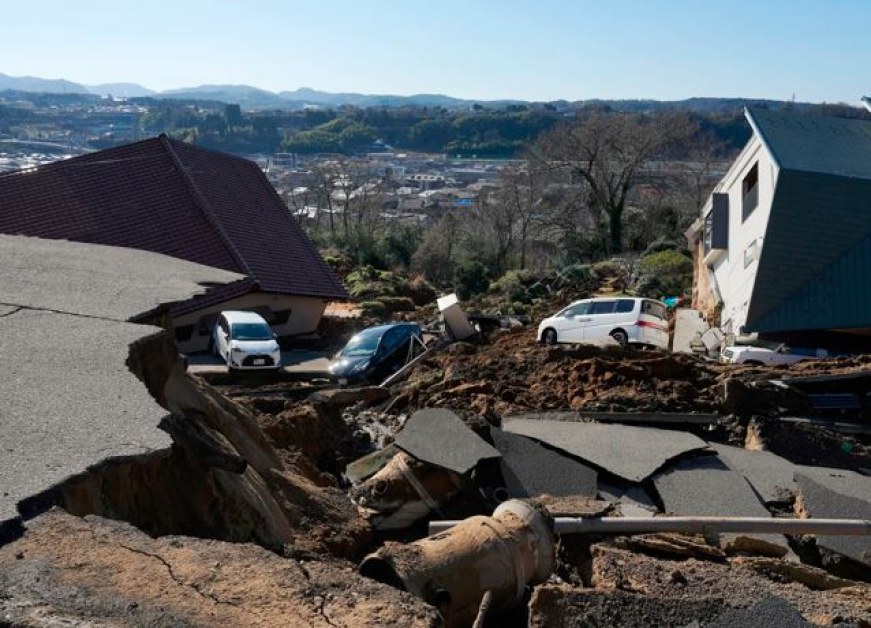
221	479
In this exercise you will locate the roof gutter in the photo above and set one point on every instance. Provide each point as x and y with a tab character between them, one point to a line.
749	115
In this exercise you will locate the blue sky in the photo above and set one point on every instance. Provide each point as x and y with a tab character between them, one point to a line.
478	49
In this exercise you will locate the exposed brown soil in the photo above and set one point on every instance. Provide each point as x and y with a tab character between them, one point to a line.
68	571
634	589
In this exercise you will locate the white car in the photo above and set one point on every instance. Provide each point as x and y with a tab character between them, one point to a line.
245	341
625	319
746	354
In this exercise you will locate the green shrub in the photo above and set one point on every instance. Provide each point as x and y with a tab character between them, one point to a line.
470	278
518	309
669	262
660	245
511	285
397	304
374	307
607	268
666	273
418	290
576	277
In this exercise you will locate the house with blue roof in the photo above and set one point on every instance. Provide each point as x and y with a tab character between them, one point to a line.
783	244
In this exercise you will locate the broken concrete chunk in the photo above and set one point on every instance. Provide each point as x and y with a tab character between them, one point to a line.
342	397
826	497
769	474
632	453
530	469
706	486
367	466
404	491
679	545
843	481
631	502
440	437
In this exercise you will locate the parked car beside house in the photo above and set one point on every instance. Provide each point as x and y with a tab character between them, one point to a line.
375	353
627	320
761	355
245	341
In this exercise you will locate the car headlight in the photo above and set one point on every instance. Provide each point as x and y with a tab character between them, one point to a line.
360	366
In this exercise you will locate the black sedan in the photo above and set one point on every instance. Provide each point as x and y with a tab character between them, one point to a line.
375	353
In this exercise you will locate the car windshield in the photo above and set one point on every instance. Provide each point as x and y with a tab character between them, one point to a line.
251	331
363	344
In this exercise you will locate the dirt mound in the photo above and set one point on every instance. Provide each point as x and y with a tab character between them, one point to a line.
514	374
94	572
634	589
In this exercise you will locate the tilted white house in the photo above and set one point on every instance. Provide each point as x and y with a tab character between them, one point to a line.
783	244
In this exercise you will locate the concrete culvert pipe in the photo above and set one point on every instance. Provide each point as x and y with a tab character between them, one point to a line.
453	570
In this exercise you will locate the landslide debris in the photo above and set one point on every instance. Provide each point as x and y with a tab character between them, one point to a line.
514	374
636	589
68	571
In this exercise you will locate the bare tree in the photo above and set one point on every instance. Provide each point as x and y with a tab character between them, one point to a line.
608	152
520	202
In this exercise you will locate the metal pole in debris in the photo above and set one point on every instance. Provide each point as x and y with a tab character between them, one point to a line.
697	525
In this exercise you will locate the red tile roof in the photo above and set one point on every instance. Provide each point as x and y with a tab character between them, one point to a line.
169	197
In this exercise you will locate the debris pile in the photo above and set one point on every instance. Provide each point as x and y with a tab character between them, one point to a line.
336	487
514	375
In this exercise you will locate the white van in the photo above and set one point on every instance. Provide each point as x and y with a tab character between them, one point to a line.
625	319
245	341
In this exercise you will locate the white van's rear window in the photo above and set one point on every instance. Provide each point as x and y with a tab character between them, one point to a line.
652	308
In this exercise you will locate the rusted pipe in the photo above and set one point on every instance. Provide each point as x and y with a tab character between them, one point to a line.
454	570
697	525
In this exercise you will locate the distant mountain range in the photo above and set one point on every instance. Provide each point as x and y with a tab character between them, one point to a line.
244	95
249	97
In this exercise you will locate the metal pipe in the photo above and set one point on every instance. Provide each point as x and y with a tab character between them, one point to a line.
697	525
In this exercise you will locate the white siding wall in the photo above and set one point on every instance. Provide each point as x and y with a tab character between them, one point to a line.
734	280
304	317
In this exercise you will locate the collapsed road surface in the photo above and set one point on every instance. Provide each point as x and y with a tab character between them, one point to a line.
69	401
238	512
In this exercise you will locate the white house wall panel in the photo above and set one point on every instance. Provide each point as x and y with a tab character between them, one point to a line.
734	268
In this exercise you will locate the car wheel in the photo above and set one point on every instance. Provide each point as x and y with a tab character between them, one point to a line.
620	337
549	336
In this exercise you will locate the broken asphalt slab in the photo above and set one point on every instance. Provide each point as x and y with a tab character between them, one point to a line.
94	280
633	501
706	486
530	469
68	400
440	437
632	453
773	477
769	474
837	496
